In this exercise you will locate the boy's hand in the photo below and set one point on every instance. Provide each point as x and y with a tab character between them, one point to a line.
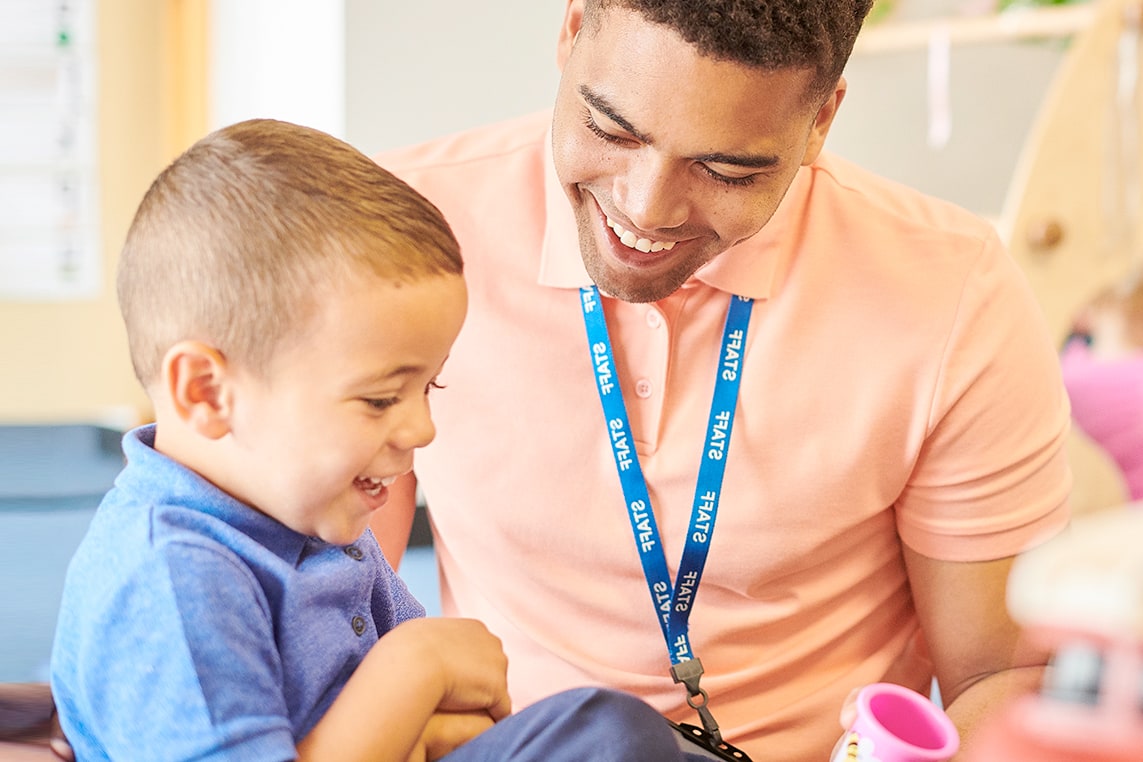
446	731
466	658
426	687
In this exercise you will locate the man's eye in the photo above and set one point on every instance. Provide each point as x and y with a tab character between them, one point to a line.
726	179
599	132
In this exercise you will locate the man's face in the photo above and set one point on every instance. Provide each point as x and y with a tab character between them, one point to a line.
670	158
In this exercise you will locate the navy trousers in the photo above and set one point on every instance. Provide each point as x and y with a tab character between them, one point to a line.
580	725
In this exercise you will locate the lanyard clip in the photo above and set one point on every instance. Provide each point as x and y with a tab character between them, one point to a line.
688	673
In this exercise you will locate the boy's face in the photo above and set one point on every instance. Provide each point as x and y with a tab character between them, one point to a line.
658	146
318	437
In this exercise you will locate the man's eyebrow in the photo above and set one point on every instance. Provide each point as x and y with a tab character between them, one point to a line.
750	161
600	104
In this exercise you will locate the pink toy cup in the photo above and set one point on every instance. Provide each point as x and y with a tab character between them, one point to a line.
895	724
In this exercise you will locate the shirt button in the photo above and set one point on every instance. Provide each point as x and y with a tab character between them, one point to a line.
654	319
358	625
643	388
354	552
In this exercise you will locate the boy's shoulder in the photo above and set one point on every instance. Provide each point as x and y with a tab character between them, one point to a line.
133	539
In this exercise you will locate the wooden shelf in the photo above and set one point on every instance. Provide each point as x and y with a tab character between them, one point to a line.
1017	24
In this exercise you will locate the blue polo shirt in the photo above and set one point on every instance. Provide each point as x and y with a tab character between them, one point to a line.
194	627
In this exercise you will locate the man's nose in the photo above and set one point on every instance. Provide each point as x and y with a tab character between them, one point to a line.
651	193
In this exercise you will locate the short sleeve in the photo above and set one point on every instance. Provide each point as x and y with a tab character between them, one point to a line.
992	478
393	602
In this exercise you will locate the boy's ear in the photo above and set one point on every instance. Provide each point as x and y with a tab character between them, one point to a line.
195	377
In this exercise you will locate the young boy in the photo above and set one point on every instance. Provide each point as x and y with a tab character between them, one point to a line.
288	305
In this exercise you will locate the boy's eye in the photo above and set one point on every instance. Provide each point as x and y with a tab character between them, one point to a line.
433	385
381	404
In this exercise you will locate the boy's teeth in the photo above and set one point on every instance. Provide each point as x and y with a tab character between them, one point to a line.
631	241
373	485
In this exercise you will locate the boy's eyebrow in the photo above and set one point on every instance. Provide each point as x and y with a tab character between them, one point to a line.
749	161
398	372
389	374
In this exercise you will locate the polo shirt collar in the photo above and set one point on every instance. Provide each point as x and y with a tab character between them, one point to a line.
752	268
151	474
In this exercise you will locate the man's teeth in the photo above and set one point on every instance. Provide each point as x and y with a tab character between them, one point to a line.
631	241
372	485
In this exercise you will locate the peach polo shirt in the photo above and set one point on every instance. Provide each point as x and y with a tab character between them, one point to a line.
898	384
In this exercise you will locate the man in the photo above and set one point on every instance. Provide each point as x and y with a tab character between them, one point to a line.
898	431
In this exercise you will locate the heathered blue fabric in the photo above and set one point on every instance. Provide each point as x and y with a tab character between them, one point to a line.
194	627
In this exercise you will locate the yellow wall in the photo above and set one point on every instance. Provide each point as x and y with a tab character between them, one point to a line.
68	362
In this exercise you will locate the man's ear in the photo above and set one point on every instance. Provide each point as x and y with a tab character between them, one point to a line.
196	379
822	122
573	21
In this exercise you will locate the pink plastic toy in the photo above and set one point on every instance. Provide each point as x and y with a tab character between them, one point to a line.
896	724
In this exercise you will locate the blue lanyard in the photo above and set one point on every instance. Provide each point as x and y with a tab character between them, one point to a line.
673	602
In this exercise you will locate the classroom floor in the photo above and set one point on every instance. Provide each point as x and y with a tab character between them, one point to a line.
51	479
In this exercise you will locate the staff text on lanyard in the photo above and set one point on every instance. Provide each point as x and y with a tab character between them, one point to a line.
673	600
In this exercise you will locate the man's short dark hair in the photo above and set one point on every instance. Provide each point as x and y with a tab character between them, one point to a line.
767	34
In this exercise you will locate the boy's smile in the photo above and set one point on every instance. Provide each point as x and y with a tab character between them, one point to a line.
375	488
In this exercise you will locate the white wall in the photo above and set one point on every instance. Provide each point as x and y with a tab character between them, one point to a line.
382	73
283	59
417	70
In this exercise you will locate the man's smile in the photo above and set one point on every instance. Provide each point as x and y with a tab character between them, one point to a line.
632	241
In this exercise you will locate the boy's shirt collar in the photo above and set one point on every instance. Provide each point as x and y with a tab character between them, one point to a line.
166	482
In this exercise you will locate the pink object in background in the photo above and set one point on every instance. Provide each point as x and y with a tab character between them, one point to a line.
1106	393
895	724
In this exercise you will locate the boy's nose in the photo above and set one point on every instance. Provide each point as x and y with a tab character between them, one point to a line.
416	428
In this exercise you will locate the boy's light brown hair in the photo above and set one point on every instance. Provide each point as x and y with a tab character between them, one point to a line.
236	240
